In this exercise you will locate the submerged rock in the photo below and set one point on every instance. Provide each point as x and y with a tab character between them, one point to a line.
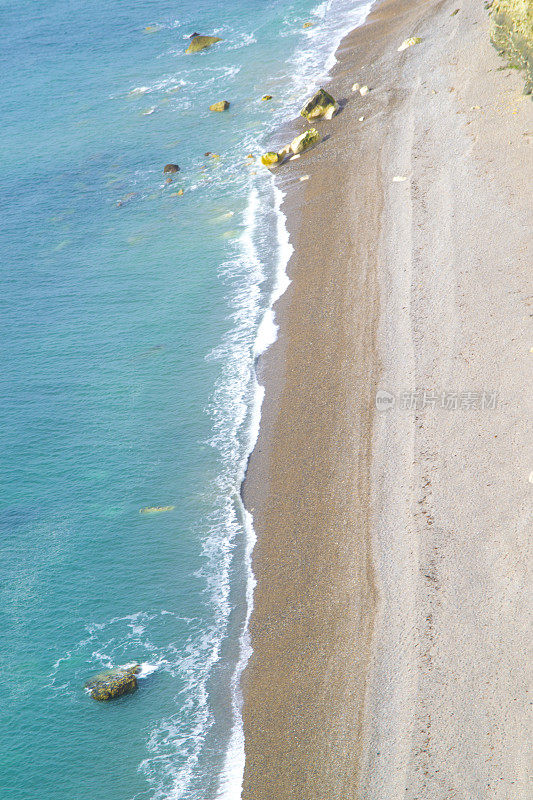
304	141
409	43
201	43
126	198
159	509
113	682
171	168
322	104
222	105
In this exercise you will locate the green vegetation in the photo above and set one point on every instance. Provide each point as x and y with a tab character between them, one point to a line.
511	32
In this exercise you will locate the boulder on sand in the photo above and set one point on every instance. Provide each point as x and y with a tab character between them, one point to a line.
304	141
222	105
201	43
113	682
322	104
409	43
171	168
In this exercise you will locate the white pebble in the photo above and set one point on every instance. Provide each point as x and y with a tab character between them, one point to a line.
304	178
292	158
363	90
361	119
399	178
356	87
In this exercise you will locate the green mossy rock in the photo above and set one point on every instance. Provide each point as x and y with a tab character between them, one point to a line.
222	105
202	43
322	104
113	682
304	141
270	159
511	33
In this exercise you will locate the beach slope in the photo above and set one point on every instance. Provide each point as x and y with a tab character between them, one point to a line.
389	629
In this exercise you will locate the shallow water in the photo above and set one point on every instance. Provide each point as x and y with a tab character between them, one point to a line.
131	319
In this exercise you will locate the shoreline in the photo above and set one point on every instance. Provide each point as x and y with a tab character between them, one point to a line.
342	678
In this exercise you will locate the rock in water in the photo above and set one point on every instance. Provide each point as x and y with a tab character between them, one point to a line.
270	159
409	43
171	168
113	682
222	105
202	43
158	509
304	141
322	104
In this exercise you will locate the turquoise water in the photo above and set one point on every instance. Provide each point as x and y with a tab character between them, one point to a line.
131	317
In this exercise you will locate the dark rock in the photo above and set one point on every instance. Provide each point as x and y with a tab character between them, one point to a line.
171	168
113	682
322	104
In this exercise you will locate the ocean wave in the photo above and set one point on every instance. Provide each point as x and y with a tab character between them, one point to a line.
254	276
106	644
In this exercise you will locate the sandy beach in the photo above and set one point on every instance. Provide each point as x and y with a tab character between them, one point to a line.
391	620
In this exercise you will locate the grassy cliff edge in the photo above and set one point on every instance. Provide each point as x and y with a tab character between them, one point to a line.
511	32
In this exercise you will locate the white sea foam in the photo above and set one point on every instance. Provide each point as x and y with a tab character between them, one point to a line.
233	769
305	78
254	285
147	669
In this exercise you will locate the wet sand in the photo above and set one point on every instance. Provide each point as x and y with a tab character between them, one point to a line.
389	629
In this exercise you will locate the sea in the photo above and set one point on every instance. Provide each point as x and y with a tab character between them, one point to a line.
132	313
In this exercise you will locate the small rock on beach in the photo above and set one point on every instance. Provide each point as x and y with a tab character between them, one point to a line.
409	43
321	105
